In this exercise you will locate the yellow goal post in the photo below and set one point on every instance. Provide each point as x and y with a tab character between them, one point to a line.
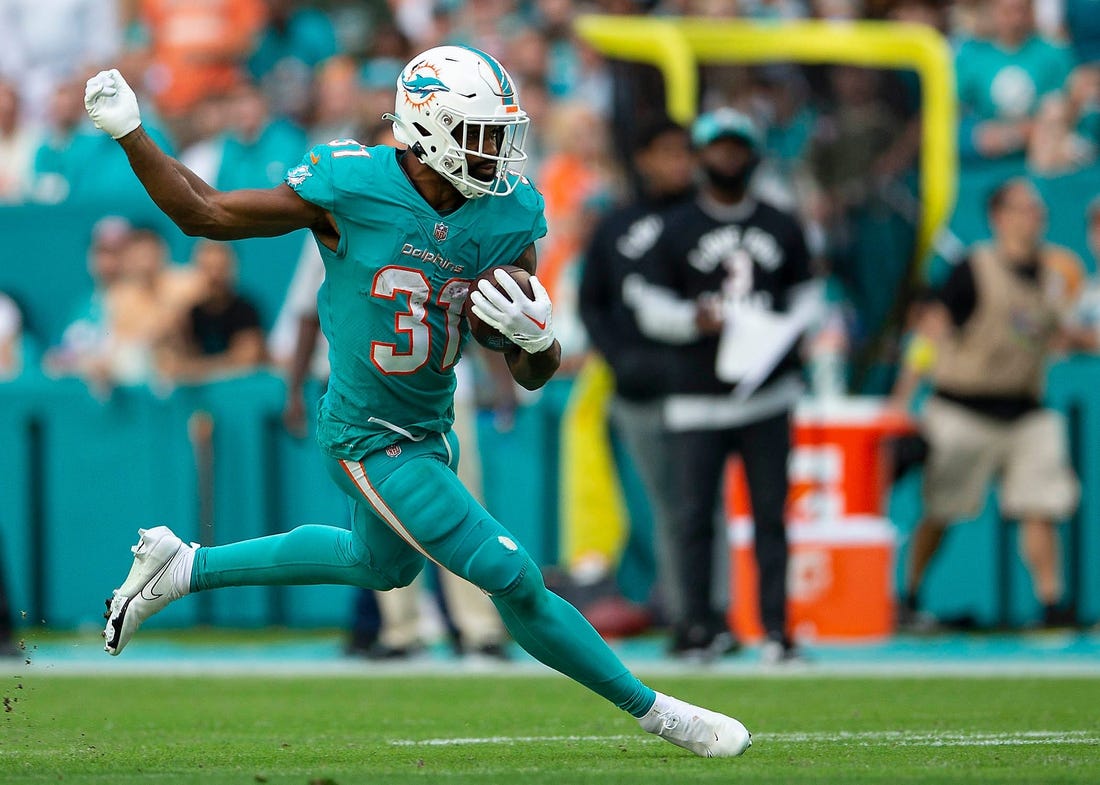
676	46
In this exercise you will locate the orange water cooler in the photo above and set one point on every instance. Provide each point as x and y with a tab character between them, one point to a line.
840	576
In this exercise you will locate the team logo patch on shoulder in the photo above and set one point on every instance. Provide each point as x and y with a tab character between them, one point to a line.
441	231
393	450
298	175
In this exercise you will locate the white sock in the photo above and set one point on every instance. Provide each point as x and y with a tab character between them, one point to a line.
651	720
180	568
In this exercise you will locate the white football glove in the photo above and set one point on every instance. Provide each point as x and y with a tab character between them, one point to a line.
523	321
111	103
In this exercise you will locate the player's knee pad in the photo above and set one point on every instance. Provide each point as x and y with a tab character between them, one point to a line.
496	564
525	591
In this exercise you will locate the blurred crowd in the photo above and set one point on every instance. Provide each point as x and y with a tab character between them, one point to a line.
240	89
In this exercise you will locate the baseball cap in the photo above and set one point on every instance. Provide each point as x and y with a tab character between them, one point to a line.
725	122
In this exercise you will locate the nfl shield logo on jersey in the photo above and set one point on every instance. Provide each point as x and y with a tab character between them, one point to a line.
393	450
440	232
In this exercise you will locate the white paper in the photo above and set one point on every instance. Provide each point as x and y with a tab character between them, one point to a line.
752	343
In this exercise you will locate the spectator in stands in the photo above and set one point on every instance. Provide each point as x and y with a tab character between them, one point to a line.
529	55
376	80
74	162
484	24
221	334
65	157
1066	136
143	309
336	101
85	336
1002	80
47	43
196	50
258	148
17	146
613	255
208	123
727	256
293	42
996	321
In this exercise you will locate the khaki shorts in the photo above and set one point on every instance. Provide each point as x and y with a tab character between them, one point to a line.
967	450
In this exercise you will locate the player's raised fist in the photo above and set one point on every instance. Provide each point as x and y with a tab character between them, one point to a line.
111	104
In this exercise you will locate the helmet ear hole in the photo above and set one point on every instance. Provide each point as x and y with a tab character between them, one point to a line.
422	130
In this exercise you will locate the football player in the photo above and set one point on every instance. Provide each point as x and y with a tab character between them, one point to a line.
402	233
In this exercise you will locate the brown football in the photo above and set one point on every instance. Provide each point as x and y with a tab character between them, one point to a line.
485	335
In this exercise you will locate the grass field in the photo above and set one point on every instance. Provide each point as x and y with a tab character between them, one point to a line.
217	730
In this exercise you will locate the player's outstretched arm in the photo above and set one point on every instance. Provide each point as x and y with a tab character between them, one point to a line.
196	207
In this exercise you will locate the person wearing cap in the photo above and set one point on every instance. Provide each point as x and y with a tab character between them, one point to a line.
722	256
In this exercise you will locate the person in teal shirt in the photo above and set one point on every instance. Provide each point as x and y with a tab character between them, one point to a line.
402	235
258	148
295	37
75	164
1002	81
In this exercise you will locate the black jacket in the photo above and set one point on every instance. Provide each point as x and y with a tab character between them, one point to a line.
619	243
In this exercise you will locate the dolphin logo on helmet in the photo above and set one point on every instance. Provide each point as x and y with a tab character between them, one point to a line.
422	86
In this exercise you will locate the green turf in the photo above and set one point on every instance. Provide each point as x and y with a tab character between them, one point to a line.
282	730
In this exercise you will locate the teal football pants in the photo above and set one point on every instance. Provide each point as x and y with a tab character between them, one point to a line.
408	505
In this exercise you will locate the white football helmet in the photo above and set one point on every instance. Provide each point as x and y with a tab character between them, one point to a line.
455	101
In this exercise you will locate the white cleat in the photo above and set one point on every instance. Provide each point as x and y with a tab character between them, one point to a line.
706	733
161	572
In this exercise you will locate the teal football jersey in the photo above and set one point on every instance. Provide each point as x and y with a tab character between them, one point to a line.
391	302
995	84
